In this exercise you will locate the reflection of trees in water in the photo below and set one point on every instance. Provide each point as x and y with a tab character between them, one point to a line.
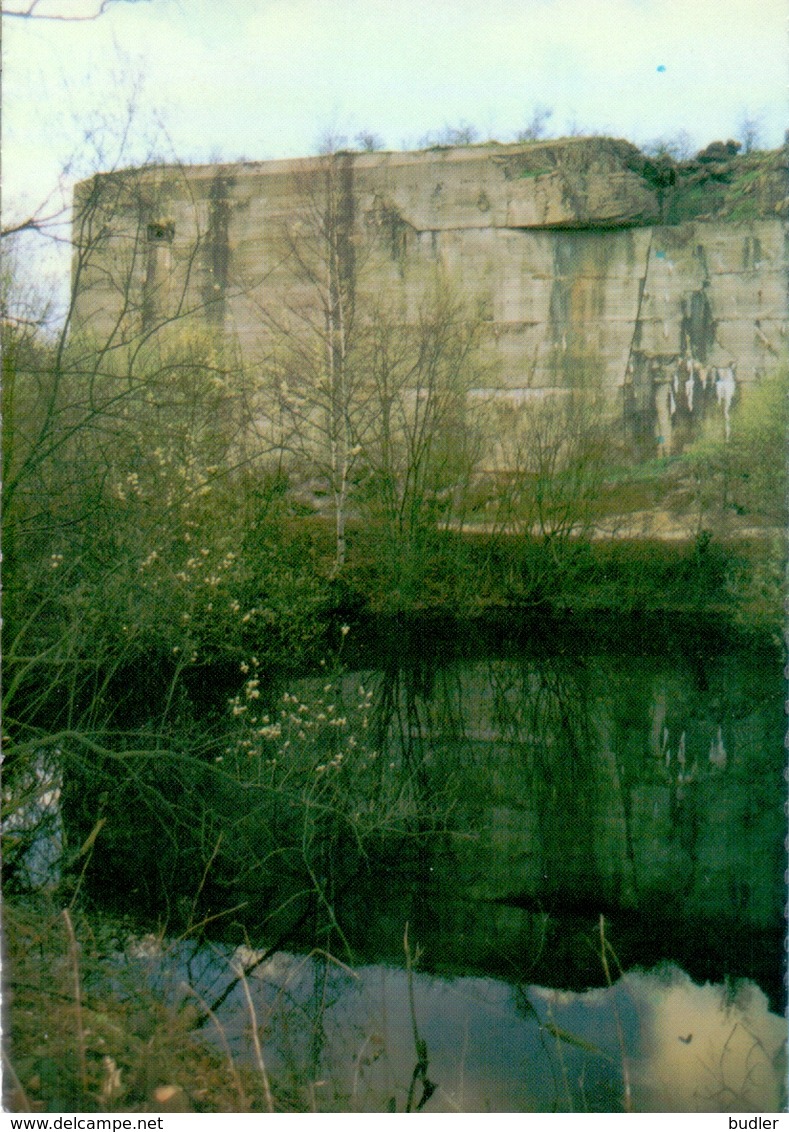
548	770
417	709
602	777
543	711
522	734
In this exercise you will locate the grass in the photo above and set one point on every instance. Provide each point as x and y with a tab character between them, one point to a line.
85	1035
745	188
473	574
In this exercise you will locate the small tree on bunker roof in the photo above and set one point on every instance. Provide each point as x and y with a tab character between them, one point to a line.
368	142
749	130
537	126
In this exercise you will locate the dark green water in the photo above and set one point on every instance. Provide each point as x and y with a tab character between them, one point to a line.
563	804
644	785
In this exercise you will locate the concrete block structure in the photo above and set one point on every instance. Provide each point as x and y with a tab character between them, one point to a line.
669	280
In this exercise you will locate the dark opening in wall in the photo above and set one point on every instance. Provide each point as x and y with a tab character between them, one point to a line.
161	232
159	256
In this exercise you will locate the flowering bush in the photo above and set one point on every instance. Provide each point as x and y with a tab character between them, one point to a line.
317	747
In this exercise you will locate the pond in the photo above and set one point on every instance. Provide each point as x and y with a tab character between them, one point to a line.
524	867
378	1038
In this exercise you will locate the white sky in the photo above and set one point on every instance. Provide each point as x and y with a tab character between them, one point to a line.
265	78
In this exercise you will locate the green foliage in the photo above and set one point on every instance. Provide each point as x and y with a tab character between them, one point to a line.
421	443
758	448
554	448
735	187
746	474
133	493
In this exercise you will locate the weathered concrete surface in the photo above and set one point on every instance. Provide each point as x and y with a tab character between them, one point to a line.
575	253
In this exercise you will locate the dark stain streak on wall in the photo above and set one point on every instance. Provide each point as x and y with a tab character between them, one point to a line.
216	250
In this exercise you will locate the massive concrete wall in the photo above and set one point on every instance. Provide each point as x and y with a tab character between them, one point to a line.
575	254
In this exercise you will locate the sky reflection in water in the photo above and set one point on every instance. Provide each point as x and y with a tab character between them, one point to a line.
346	1038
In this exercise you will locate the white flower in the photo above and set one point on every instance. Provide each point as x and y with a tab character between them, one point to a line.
112	1084
271	732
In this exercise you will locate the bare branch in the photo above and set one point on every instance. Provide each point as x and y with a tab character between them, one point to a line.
33	11
38	224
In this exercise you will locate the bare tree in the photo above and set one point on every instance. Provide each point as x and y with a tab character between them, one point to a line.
537	126
422	445
678	146
369	142
318	381
371	403
554	446
750	127
462	134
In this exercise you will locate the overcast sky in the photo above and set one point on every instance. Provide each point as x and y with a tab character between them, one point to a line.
265	78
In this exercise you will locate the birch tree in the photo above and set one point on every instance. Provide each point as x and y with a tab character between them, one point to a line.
316	373
372	404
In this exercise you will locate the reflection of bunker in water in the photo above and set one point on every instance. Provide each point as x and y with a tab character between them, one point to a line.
569	778
663	814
